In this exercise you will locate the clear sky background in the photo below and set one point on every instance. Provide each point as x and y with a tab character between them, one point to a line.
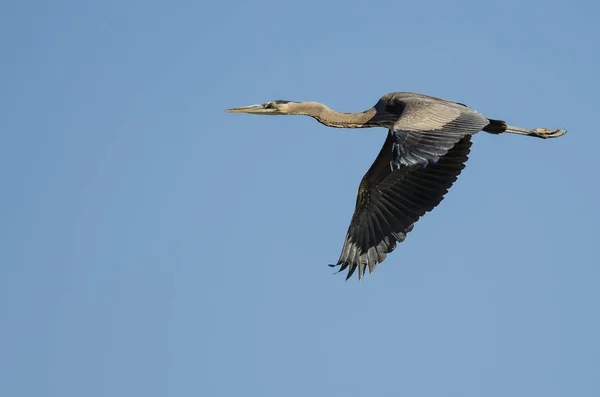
153	245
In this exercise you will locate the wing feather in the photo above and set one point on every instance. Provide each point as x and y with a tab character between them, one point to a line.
390	202
428	128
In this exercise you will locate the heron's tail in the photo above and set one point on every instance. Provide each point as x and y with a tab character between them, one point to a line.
495	126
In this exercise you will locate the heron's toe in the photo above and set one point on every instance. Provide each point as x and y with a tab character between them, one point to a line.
546	133
556	133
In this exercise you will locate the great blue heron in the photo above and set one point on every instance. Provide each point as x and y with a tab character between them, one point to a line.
426	149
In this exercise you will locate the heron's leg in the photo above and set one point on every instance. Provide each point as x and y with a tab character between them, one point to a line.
537	132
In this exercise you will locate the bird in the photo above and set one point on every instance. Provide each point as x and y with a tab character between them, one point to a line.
426	148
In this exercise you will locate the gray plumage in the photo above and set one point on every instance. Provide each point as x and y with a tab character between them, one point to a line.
426	148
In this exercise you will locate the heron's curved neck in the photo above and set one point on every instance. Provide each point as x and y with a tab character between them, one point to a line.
331	118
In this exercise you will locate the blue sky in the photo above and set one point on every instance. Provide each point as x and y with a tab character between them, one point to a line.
153	245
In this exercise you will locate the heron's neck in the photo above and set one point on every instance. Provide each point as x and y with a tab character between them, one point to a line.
331	118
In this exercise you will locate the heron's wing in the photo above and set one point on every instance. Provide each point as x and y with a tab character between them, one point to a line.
427	129
390	202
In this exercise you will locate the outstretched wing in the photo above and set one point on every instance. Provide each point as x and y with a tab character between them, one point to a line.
429	127
390	202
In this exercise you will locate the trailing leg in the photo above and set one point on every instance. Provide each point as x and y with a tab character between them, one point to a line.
499	126
537	132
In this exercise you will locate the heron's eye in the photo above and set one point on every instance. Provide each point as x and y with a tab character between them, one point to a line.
269	105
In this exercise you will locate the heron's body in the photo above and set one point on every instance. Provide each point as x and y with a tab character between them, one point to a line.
426	148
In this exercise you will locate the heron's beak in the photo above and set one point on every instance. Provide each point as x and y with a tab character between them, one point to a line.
252	109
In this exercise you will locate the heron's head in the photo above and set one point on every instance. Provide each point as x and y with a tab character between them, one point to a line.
274	108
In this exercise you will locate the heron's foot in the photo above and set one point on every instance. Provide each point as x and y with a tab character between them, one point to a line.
545	133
